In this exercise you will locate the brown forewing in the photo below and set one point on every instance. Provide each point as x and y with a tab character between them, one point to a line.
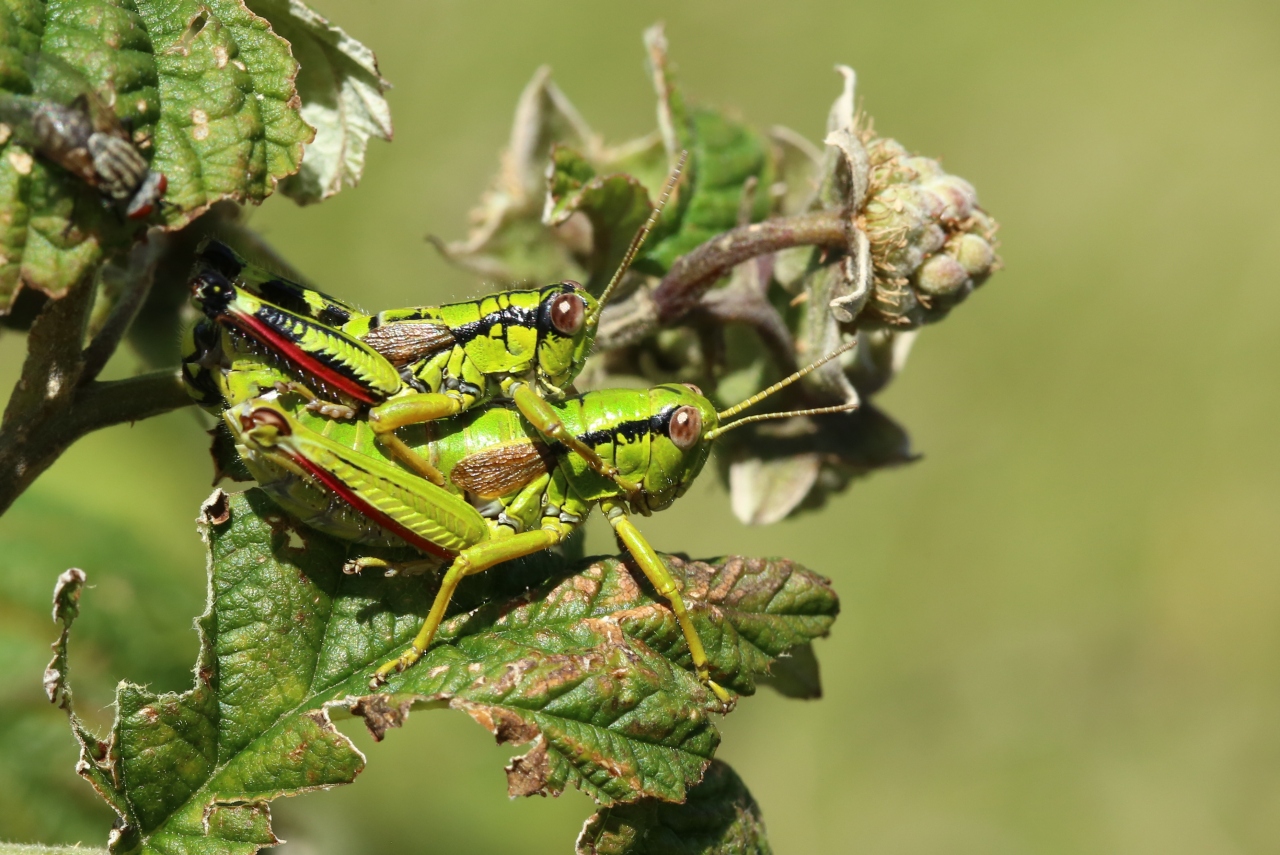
502	469
405	342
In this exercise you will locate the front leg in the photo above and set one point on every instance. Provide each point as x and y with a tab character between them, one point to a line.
660	577
547	422
413	409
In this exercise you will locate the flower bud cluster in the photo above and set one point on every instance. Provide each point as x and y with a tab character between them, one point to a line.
931	244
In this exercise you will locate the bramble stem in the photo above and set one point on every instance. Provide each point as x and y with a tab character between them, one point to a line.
57	399
694	273
30	447
628	321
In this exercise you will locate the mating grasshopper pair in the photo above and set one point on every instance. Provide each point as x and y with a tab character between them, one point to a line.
329	417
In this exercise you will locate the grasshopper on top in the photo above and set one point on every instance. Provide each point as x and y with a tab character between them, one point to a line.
403	366
508	492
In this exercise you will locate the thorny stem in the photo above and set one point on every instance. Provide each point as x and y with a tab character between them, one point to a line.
681	290
694	273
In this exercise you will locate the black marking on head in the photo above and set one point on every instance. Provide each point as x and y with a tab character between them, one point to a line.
213	291
630	431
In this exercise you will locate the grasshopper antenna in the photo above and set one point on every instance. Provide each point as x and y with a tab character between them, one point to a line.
782	384
636	242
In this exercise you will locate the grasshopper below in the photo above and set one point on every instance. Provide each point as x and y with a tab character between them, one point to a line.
404	366
508	493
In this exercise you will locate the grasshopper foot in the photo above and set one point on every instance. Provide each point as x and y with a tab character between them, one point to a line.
726	699
395	666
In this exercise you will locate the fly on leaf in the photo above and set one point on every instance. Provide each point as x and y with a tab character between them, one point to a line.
64	121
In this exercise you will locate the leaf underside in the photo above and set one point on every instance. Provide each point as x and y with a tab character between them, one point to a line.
719	818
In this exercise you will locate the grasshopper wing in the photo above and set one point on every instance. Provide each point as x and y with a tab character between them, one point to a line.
409	341
502	469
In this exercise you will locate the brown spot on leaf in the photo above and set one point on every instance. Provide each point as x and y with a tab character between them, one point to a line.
730	572
507	726
216	509
380	715
527	775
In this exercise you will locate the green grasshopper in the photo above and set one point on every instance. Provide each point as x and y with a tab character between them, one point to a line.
509	493
405	366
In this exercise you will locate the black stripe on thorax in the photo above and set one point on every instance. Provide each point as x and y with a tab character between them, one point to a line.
507	316
630	431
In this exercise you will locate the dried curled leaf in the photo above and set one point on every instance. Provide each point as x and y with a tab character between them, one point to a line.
342	98
777	468
554	154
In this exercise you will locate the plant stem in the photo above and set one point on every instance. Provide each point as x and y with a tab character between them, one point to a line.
694	273
29	448
627	321
57	399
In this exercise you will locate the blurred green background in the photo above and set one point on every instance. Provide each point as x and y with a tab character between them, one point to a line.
1060	629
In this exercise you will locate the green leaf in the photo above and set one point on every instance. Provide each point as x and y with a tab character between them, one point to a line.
726	160
341	90
206	91
229	110
615	205
138	623
752	610
720	818
521	237
584	662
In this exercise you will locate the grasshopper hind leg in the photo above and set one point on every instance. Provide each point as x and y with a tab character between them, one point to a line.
475	559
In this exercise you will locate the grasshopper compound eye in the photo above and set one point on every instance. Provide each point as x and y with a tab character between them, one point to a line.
692	388
265	417
568	311
685	428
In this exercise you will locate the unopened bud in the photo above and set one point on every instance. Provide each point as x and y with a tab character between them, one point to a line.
941	275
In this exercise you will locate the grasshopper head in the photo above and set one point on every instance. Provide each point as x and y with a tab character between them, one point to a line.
258	425
683	424
567	319
680	419
211	292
